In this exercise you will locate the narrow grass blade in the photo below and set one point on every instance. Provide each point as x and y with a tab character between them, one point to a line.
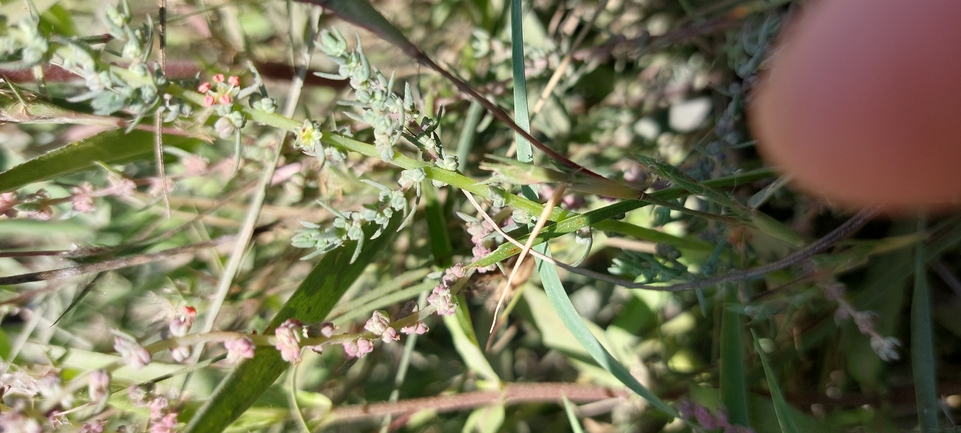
437	227
572	416
732	379
572	320
922	344
108	147
525	153
311	303
466	140
781	409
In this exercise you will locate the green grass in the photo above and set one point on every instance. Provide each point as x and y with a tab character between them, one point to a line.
499	99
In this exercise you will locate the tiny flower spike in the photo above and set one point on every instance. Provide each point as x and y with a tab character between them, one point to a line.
288	340
130	350
240	348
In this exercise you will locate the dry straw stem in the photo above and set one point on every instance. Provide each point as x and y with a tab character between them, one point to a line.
541	221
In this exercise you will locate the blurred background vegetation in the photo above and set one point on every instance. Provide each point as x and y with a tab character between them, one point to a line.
660	78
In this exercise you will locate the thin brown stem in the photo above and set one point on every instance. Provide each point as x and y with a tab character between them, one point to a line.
516	393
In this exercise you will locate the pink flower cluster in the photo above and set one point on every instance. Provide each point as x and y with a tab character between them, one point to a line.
441	297
220	92
479	231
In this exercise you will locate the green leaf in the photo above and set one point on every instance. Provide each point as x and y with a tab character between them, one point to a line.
311	303
109	147
437	226
6	347
732	376
525	152
922	344
781	408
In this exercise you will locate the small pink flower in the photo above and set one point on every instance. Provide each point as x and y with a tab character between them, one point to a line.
378	323
389	335
225	99
327	329
358	348
97	426
181	324
7	202
364	347
240	348
137	395
18	422
98	385
158	407
165	425
180	353
44	213
288	340
121	187
83	198
194	165
131	351
419	328
209	100
234	80
219	78
442	300
157	187
453	273
204	88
